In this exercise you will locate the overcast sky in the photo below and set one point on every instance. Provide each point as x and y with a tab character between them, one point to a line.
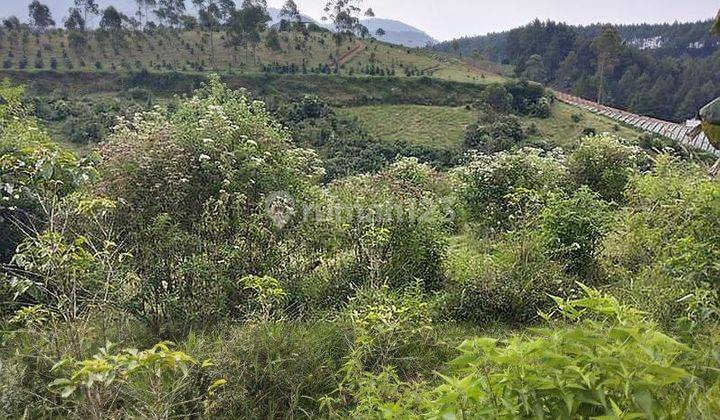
448	19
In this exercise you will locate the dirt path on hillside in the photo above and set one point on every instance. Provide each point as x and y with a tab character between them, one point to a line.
345	58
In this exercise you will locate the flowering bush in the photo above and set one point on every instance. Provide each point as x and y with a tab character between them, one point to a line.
605	164
501	189
34	171
207	195
394	222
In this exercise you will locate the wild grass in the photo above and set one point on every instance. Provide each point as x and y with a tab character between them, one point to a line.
435	126
565	130
444	127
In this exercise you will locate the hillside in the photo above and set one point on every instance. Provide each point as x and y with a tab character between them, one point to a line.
195	51
670	39
221	257
396	32
264	224
669	82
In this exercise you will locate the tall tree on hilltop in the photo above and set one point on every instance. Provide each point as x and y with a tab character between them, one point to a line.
343	14
74	21
247	23
607	47
112	23
170	11
40	15
456	46
292	13
142	9
212	14
11	23
89	8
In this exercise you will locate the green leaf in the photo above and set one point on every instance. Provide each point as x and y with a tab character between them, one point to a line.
59	382
217	384
59	365
68	390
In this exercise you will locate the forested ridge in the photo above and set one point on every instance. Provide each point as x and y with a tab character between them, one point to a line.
604	63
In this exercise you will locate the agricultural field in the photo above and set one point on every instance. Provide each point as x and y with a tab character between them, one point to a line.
432	126
166	50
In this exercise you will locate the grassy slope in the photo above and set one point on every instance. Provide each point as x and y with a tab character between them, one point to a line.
437	126
444	126
564	131
191	51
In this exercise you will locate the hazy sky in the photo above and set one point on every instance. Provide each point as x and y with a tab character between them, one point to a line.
447	19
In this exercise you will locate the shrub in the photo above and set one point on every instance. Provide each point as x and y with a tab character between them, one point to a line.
388	326
509	283
209	195
668	234
502	189
573	229
394	222
309	107
589	131
497	98
605	164
277	369
156	382
529	98
608	361
34	172
494	133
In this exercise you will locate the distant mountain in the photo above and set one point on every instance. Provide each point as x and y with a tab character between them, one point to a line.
400	33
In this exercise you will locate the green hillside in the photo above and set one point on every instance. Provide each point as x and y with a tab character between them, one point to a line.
164	50
433	126
444	127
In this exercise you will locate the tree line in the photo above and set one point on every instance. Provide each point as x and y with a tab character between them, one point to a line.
599	63
243	26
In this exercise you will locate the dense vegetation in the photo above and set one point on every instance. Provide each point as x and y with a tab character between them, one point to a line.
604	63
328	229
218	256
